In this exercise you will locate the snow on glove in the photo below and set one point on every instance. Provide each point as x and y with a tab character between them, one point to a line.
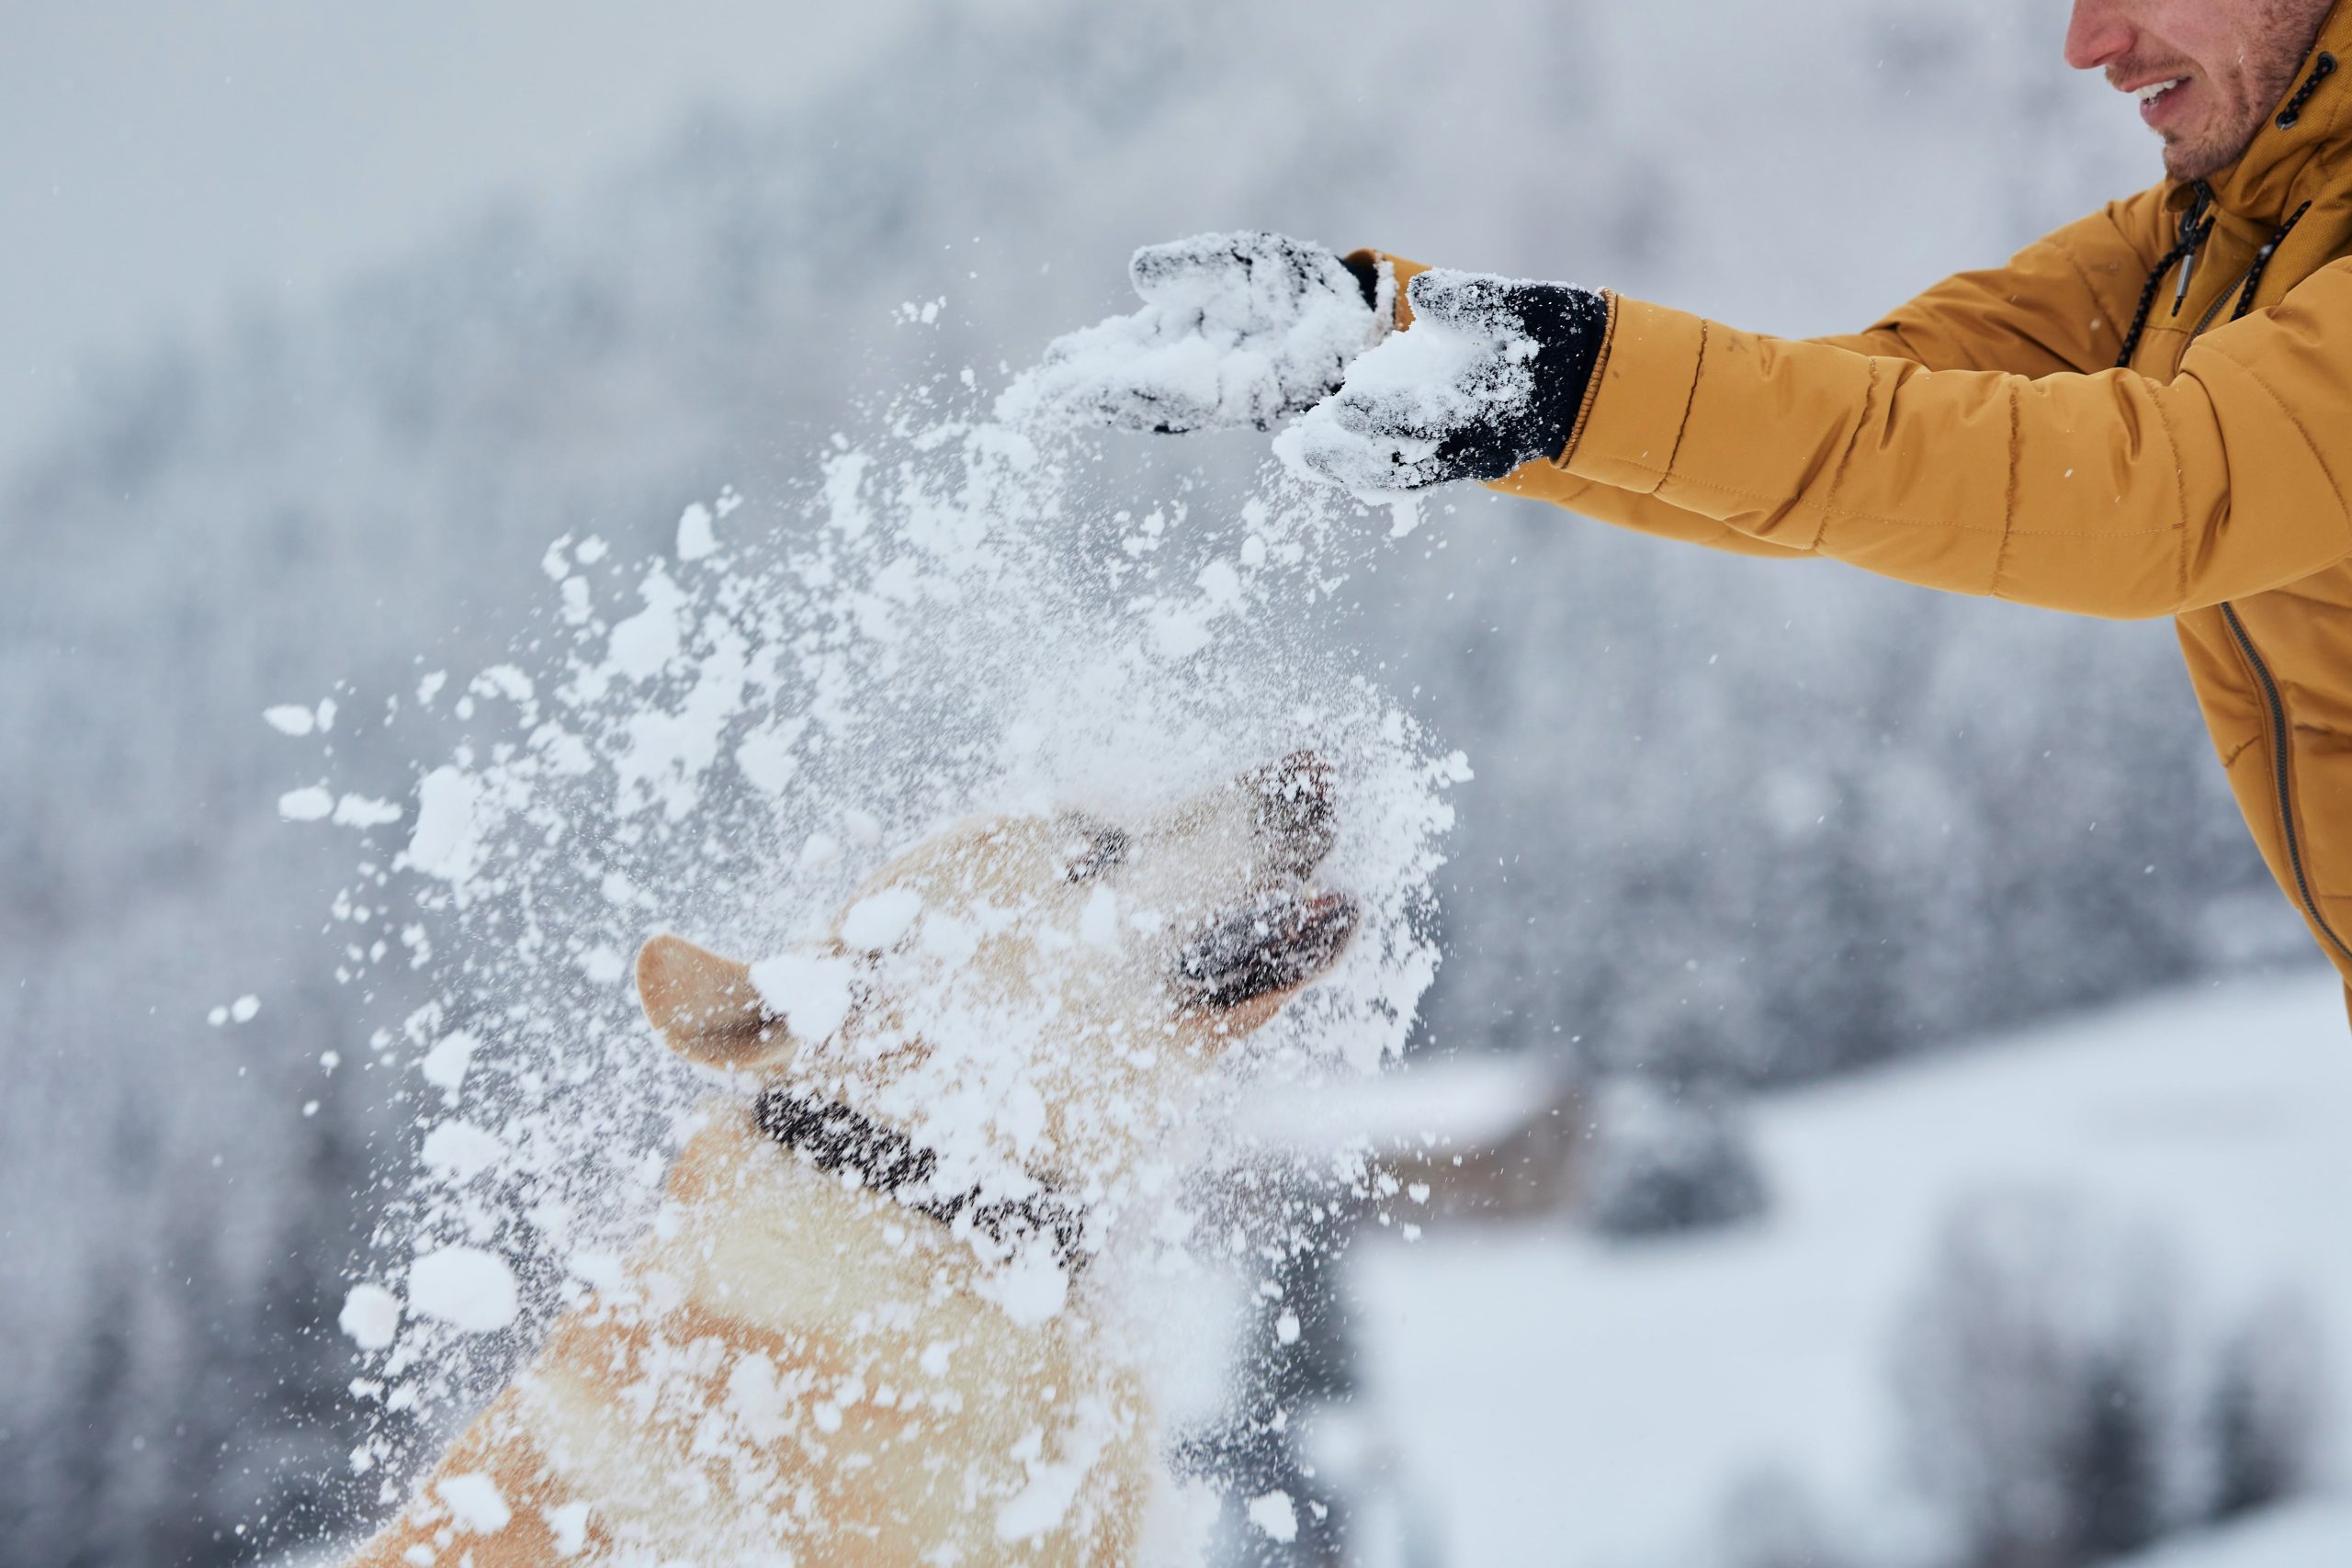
1491	376
1235	329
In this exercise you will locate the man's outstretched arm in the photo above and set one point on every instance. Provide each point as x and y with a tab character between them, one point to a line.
2061	305
2107	494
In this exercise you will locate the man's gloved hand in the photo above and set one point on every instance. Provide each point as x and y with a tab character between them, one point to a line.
1236	331
1491	376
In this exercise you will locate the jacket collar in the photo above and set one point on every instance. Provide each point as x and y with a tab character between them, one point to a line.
2299	158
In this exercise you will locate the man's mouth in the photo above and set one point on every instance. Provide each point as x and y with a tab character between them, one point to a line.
2156	97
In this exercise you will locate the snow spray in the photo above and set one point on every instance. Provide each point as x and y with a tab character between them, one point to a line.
722	741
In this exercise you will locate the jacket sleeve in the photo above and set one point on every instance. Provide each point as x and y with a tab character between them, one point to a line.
2062	304
2107	494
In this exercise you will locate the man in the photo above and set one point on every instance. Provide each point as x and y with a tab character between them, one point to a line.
2149	412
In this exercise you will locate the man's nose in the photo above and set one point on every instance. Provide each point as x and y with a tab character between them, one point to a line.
2098	34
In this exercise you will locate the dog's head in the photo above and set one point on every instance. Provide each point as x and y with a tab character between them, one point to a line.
1045	970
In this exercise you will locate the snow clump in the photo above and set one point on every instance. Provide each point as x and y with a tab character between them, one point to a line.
1236	331
371	1317
465	1287
1381	434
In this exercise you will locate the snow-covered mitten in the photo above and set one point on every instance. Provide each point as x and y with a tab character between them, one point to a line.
1491	376
1236	331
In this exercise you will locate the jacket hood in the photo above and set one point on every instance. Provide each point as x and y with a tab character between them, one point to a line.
2303	152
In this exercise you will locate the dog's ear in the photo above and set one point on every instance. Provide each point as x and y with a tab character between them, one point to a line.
705	1006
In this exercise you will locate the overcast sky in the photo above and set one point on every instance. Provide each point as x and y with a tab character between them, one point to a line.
164	161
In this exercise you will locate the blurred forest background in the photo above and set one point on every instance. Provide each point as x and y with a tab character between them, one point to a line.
1734	825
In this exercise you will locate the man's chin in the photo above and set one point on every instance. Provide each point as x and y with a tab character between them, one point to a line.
2201	157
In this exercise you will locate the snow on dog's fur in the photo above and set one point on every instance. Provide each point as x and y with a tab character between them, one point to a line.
891	1360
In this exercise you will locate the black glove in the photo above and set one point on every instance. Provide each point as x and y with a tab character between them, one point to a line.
1491	377
1236	331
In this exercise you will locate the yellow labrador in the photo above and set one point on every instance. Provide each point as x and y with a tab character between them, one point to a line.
859	1332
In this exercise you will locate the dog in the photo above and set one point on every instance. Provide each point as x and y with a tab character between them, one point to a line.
863	1328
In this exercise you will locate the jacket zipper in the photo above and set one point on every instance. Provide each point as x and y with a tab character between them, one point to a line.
2278	772
2219	300
2237	288
2279	733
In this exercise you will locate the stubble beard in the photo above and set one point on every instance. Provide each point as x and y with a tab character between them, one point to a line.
2206	157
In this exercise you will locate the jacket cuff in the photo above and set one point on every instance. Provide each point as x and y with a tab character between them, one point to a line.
1398	267
1639	397
1592	377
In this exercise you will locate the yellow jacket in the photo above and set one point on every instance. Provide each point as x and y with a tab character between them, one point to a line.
1985	439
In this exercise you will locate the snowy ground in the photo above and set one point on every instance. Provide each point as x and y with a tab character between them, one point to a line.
1548	1398
2312	1534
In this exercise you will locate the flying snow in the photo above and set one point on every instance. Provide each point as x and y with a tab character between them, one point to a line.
724	743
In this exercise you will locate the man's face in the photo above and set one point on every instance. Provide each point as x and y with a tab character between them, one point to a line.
2205	72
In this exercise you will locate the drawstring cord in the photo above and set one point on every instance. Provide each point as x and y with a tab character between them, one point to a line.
2321	69
2193	237
2262	260
2192	234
